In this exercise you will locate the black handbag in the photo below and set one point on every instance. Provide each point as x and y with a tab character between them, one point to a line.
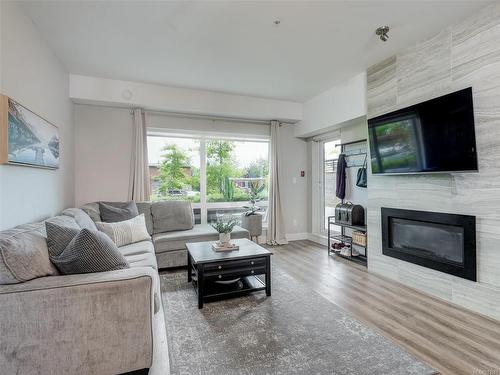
361	180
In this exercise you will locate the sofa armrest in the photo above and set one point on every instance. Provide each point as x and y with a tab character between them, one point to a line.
98	323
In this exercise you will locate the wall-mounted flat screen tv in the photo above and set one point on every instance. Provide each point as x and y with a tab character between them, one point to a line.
433	136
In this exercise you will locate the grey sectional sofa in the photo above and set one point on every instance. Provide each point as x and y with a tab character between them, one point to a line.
98	323
171	225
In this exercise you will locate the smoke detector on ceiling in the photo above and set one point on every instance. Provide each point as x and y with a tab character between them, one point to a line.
383	33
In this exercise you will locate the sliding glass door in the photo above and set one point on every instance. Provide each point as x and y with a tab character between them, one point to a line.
330	153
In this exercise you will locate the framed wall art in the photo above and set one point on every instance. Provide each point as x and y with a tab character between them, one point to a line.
26	138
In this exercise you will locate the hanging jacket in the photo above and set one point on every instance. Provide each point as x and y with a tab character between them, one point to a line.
340	186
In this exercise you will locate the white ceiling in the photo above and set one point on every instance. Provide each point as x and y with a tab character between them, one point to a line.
233	46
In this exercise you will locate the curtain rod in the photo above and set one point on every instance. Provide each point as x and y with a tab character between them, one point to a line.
208	117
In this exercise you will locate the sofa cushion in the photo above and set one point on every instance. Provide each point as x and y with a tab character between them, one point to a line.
174	258
142	260
6	276
145	208
24	254
171	216
125	232
177	240
142	247
92	209
112	213
88	252
82	219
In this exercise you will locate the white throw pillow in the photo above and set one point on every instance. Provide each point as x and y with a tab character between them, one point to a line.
126	232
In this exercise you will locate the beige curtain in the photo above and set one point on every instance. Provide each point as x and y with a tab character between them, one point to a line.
275	223
139	188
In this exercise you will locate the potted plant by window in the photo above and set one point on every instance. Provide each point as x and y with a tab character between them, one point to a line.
224	228
252	218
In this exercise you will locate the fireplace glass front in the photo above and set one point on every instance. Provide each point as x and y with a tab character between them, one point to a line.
441	241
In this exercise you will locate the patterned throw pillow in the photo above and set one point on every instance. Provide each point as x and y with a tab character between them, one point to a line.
87	251
126	232
59	237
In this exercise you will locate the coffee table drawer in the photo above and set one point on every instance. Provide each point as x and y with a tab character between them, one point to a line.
235	264
227	275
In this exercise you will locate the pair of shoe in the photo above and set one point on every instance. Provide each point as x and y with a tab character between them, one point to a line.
346	251
337	246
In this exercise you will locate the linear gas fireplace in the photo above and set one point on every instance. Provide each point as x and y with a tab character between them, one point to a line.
444	242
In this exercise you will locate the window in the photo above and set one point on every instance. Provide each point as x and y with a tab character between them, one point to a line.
235	168
218	175
330	155
174	168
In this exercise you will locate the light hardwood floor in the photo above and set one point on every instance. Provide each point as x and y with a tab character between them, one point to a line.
450	339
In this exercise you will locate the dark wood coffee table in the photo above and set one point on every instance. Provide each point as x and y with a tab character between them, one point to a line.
208	268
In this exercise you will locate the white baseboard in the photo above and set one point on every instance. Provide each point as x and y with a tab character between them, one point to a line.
318	238
297	236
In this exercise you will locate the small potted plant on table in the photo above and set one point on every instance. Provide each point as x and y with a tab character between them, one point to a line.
224	228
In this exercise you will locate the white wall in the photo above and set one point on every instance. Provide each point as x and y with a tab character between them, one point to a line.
93	90
103	150
334	108
294	188
32	75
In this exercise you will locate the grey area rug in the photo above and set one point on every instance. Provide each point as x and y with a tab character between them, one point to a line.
295	331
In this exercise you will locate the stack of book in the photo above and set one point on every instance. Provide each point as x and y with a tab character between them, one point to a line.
218	246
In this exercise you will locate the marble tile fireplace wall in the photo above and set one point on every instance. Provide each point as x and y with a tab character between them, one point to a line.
464	55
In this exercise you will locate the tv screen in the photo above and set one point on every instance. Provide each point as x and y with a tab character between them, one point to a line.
433	136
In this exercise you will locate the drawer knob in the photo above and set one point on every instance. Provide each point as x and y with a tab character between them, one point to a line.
251	262
220	267
220	276
251	271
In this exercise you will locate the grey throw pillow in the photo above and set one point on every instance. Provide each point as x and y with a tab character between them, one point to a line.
87	252
59	237
114	212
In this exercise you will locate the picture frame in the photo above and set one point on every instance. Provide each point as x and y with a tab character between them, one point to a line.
27	139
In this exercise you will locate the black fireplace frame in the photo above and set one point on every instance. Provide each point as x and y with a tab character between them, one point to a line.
468	223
